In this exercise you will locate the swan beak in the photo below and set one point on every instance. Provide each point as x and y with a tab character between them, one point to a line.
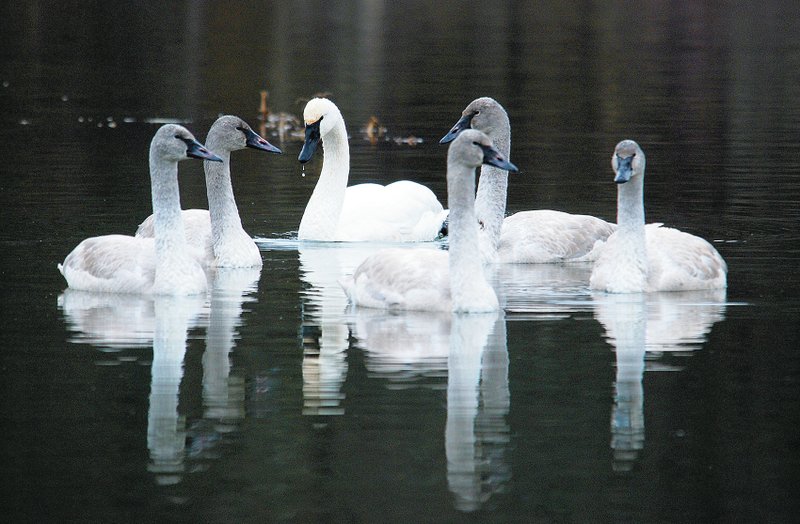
312	140
255	141
465	122
493	157
624	170
195	149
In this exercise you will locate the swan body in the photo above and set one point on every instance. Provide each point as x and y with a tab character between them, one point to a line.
162	265
639	258
436	280
526	237
216	235
399	212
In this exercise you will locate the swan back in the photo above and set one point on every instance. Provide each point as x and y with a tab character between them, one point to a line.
652	258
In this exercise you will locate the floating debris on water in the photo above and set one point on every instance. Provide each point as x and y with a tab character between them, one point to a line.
24	122
408	140
166	120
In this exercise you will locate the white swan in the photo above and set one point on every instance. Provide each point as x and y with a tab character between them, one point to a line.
526	237
217	233
161	266
652	258
416	279
403	211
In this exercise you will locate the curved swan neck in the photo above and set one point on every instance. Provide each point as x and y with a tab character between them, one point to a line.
490	201
321	216
221	203
167	220
466	269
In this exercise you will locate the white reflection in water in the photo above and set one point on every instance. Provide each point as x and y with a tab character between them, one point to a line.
118	322
223	393
471	351
542	291
325	330
642	327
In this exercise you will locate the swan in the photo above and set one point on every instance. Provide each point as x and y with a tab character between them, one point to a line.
162	265
413	279
639	258
526	237
217	233
402	211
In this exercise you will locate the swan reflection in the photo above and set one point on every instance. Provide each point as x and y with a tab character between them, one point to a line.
643	327
116	322
471	351
536	291
326	335
223	392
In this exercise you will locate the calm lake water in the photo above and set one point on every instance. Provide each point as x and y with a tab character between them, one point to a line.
271	401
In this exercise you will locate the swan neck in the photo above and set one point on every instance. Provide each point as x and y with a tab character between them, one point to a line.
490	200
167	220
222	207
630	205
465	261
321	216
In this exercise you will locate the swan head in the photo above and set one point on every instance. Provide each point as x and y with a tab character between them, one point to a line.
231	133
484	114
175	143
627	161
320	116
473	148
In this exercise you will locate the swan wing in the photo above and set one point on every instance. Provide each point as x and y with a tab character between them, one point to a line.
681	261
547	236
111	263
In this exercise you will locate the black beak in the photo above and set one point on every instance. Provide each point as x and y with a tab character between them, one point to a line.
310	145
624	170
254	140
465	122
195	149
493	157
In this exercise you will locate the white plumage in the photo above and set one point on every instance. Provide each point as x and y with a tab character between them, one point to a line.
435	280
403	211
526	237
162	265
216	235
639	258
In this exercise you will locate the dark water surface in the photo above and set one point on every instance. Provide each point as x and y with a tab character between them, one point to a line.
271	401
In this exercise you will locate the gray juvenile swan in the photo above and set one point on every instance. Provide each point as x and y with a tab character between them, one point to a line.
414	279
217	233
162	265
639	258
540	236
402	211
